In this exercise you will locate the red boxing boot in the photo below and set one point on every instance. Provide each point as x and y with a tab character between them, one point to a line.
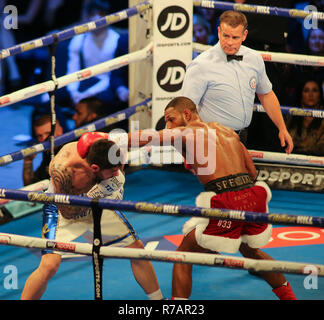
284	292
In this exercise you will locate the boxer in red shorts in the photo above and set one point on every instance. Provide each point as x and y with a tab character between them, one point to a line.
227	173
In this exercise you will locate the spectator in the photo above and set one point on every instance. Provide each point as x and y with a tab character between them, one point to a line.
299	28
315	41
88	110
212	16
119	76
308	132
89	49
42	130
315	46
91	109
201	30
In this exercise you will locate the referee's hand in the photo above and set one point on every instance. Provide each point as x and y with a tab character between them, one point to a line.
286	141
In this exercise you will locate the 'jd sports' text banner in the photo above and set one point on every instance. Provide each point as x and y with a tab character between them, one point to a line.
172	51
293	178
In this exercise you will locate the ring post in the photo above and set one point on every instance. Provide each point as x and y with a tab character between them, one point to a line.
97	260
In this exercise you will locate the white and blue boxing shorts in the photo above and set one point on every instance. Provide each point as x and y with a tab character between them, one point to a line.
116	230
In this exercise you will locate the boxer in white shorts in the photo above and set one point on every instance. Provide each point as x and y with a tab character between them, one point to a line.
116	231
87	168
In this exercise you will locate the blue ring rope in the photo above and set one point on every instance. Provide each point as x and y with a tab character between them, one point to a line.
75	134
79	29
129	12
257	9
164	208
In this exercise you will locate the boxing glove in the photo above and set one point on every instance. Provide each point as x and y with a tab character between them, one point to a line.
87	139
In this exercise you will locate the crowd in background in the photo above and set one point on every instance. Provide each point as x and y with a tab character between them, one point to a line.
294	85
37	18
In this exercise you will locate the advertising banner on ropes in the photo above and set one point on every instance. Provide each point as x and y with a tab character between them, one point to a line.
294	178
172	51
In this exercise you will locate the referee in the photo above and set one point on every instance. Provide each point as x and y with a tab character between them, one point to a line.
223	81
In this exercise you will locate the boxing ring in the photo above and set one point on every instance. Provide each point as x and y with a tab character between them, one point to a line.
166	207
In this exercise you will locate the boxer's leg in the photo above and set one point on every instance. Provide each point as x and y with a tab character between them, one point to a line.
36	283
182	273
145	275
276	280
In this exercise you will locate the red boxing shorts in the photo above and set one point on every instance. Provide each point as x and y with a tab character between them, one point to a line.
227	235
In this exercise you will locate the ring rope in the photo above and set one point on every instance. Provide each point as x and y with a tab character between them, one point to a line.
121	61
206	259
164	208
79	29
75	134
258	9
291	58
264	156
52	95
294	111
92	71
181	257
37	186
80	75
143	6
168	155
283	158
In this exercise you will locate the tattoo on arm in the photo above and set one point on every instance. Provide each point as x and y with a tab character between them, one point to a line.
62	180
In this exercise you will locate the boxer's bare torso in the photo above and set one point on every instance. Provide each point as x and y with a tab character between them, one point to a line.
69	172
211	149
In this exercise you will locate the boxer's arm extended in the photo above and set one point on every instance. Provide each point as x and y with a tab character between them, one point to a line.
165	137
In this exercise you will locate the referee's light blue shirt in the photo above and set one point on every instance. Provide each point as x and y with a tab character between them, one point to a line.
225	91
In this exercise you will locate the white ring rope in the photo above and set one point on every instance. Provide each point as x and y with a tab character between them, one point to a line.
80	75
142	54
164	255
283	158
300	59
169	155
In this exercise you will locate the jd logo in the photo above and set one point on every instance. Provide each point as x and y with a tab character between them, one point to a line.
173	21
170	75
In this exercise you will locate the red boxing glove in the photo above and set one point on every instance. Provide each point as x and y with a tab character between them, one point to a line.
87	139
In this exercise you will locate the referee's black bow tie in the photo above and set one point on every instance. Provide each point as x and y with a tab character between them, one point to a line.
231	57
